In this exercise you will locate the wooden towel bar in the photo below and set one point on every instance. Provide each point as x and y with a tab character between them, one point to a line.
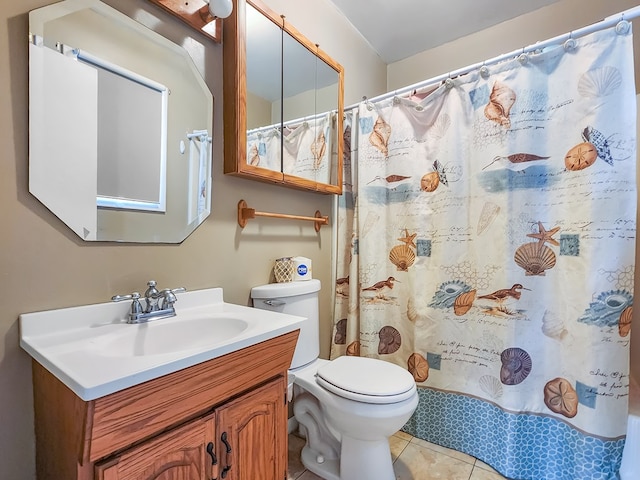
245	213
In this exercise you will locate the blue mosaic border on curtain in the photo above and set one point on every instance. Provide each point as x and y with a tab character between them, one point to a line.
548	448
448	265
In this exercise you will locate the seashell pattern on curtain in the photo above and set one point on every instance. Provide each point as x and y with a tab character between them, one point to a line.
302	149
486	243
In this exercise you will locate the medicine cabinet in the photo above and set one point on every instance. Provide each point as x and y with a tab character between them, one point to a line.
283	103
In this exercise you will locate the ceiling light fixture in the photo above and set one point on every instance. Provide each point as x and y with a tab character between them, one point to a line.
220	8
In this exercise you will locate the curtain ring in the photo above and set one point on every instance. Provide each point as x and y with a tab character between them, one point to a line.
523	58
623	27
448	83
484	71
570	44
367	103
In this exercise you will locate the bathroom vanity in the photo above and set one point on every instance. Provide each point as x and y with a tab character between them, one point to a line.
191	413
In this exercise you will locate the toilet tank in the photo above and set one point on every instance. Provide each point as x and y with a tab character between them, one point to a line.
295	298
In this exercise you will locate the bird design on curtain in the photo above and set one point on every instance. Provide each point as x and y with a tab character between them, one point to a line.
486	244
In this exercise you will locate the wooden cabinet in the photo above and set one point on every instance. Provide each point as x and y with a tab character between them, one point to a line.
225	418
250	436
184	453
241	440
280	85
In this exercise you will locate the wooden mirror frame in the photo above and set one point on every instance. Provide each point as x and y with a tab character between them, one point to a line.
195	14
235	103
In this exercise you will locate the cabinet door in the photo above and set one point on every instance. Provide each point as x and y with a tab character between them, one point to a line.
184	453
252	434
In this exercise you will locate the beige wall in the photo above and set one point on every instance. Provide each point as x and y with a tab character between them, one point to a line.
537	26
43	265
260	112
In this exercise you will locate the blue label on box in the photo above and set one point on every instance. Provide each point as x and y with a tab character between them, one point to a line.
302	269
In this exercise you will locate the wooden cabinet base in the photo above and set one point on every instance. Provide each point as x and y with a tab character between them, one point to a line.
78	440
260	414
179	454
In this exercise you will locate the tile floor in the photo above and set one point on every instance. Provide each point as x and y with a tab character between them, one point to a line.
413	459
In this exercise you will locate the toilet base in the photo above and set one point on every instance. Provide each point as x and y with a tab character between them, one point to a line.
366	459
377	465
327	468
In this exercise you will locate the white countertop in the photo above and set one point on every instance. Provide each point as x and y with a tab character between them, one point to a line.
94	352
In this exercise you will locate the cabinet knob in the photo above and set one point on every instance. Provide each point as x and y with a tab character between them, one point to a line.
214	460
223	437
226	469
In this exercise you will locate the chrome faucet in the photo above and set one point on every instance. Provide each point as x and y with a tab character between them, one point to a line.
158	303
151	297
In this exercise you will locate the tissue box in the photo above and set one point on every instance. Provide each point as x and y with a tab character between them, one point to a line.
301	269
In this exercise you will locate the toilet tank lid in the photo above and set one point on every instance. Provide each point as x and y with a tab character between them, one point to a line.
288	289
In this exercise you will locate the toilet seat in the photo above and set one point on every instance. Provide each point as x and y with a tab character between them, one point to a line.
366	380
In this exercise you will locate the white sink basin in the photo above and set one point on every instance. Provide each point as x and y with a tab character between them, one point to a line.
160	337
94	351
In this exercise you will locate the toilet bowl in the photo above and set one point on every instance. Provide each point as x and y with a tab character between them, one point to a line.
347	407
356	425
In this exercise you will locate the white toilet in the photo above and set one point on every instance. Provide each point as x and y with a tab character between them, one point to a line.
347	407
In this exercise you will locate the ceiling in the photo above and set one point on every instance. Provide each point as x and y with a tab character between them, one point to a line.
420	25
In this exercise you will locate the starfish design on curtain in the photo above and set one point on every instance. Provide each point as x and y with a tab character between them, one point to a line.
408	239
544	235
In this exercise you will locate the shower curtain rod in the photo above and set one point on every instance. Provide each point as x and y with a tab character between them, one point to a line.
601	25
295	121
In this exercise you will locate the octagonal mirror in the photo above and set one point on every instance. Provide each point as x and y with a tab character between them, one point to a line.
120	124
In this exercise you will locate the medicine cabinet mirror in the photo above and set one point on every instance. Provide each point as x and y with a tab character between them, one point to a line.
283	103
120	124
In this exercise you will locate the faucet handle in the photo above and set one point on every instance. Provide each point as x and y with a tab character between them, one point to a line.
169	296
120	298
136	306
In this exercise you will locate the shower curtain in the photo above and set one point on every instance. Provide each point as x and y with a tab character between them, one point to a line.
486	244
